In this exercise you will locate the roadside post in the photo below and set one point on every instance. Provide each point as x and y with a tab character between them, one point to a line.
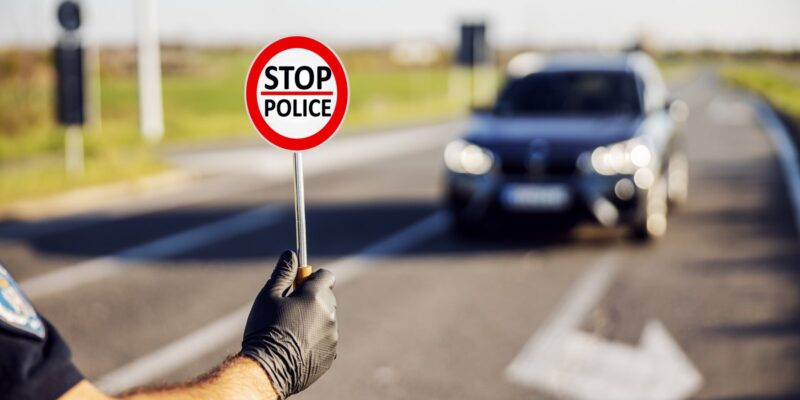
296	94
148	66
68	60
473	50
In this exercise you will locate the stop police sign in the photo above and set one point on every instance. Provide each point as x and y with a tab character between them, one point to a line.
296	93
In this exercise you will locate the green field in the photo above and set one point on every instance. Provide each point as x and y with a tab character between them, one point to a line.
205	100
778	83
202	92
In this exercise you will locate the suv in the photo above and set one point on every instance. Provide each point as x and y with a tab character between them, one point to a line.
572	137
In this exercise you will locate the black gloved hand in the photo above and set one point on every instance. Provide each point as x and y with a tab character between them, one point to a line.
293	334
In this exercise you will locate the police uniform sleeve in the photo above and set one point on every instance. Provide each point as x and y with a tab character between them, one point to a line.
35	362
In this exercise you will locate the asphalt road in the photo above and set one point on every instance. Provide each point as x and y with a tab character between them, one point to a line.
155	288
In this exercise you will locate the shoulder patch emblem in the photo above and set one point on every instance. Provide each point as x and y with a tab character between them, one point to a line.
15	310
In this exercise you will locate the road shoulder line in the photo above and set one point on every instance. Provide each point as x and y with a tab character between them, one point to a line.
87	198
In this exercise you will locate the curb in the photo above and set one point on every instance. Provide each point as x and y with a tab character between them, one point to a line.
787	153
90	198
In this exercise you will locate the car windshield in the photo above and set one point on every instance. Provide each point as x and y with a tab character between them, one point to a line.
572	93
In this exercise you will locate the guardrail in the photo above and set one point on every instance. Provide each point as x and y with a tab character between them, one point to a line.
784	132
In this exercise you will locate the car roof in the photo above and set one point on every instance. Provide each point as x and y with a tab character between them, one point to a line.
529	63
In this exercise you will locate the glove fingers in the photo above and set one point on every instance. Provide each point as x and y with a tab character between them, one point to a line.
319	280
283	275
328	302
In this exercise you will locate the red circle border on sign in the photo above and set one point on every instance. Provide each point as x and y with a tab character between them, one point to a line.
342	93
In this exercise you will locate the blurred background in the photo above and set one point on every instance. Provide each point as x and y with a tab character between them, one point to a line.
144	227
401	62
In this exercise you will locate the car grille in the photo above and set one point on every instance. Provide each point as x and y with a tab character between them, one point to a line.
519	167
513	167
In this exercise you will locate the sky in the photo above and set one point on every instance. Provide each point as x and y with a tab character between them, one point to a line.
674	24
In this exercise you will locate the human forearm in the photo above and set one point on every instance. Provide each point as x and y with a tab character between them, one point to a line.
238	378
289	341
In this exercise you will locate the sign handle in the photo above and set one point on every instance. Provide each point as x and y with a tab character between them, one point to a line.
300	219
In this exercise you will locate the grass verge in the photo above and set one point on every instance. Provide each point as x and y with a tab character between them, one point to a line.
46	176
202	93
779	85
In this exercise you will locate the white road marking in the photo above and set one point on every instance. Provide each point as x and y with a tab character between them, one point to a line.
787	153
273	165
214	188
176	354
729	112
230	327
347	152
584	295
351	153
175	244
567	362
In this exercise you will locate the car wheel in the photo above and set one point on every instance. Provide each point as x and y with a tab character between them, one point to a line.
678	179
652	220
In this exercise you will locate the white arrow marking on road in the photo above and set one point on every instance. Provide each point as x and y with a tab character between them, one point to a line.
564	361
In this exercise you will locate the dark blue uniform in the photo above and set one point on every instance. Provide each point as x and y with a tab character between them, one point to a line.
35	362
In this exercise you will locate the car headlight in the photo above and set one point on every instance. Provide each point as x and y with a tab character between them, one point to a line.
619	158
467	158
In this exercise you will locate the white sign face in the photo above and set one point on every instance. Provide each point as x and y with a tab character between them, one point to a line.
297	93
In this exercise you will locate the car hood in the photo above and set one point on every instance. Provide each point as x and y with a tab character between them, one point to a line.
555	143
585	132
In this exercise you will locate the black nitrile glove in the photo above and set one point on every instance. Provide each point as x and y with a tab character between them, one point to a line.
293	333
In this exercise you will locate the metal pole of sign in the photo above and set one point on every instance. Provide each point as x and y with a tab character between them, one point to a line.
300	219
73	146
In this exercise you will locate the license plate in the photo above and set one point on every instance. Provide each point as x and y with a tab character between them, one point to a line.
536	197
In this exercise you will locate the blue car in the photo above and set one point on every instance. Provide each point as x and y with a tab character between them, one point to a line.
572	138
